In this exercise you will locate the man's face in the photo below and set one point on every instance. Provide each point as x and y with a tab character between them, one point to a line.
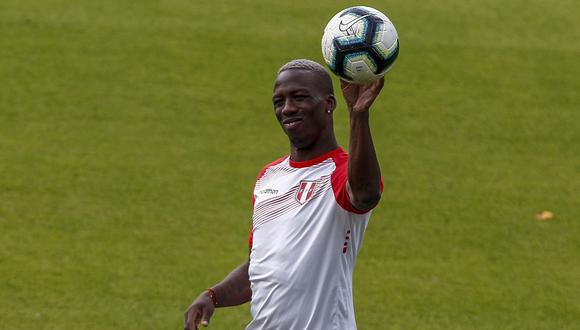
301	103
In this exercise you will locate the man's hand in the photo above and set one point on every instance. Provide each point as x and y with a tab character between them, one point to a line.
360	97
200	311
232	291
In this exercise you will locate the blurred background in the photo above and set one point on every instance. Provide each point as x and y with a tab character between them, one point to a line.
131	133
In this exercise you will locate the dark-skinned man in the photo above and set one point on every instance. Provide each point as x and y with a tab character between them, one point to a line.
311	209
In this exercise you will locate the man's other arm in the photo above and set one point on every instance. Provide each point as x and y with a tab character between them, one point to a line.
233	290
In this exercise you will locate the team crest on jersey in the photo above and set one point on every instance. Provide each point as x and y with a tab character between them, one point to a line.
305	191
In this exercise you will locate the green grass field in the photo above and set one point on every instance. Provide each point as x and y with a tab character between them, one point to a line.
131	133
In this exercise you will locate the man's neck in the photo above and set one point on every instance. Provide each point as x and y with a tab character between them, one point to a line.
311	152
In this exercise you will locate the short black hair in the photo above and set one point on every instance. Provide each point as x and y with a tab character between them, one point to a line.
309	65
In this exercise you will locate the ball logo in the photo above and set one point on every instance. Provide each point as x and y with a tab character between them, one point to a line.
347	27
305	191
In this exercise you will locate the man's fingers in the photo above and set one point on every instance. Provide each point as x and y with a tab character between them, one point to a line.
196	320
187	316
346	86
371	91
192	319
375	87
206	314
381	83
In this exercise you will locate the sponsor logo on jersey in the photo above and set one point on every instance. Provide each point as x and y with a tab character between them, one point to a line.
305	191
269	191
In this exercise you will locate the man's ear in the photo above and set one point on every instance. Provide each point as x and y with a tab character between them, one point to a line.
330	103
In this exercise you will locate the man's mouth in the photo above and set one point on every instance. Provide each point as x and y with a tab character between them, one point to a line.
291	122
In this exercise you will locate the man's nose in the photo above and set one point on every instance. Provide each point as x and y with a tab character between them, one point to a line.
289	107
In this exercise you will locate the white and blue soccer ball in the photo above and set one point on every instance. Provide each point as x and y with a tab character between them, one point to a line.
360	44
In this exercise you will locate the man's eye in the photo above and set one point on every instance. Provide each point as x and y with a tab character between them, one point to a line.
278	103
301	97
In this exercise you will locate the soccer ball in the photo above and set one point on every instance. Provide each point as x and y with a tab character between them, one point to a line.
360	44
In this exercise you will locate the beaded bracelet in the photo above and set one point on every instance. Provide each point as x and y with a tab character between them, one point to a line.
212	296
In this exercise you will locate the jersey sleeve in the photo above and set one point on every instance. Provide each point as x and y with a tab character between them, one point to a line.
339	179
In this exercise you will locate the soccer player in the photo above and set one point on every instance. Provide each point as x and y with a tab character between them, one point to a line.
311	209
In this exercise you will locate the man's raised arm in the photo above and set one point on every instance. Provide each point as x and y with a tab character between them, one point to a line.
364	173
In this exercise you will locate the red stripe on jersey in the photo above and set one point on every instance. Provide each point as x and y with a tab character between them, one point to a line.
251	237
310	190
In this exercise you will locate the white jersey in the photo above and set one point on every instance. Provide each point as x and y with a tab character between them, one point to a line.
304	241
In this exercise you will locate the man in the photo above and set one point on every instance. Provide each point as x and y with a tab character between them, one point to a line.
311	209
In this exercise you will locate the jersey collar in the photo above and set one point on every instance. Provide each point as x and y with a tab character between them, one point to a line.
316	160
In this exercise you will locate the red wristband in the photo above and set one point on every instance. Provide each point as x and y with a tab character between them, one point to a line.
212	296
